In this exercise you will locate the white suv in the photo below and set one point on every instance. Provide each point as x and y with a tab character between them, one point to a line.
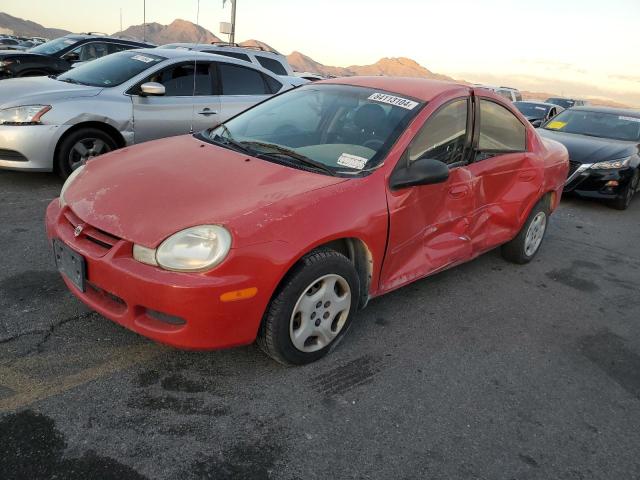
272	61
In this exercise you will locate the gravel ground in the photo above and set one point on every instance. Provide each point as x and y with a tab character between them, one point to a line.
487	371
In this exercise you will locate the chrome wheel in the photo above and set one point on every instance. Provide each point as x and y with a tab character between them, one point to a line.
535	233
320	313
86	149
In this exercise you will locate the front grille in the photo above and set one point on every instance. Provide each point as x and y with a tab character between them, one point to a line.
573	166
12	155
91	234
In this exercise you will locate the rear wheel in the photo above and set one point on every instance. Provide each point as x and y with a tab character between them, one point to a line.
311	310
80	146
624	200
524	247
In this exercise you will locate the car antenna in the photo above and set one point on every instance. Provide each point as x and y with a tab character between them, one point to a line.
195	70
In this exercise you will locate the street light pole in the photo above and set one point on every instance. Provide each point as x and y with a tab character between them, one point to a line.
144	20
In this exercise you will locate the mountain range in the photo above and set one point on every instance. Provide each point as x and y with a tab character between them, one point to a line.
185	31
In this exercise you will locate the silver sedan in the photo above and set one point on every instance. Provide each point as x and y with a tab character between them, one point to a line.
129	97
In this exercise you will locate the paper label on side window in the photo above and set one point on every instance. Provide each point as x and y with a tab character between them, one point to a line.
352	161
630	119
392	100
142	58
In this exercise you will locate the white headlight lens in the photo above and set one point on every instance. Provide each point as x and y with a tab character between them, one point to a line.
194	249
622	163
27	114
67	183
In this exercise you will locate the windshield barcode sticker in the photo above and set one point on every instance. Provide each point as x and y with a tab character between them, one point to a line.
142	58
352	161
395	101
629	119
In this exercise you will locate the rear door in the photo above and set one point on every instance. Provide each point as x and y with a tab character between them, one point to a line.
242	87
508	176
429	224
182	108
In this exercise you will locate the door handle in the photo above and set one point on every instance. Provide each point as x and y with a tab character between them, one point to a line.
207	112
458	192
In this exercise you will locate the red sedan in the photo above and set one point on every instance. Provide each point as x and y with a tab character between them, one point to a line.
281	223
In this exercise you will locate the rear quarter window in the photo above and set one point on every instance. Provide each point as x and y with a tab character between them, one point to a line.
237	80
272	65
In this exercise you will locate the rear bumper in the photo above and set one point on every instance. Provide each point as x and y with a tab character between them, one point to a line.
588	182
29	147
183	310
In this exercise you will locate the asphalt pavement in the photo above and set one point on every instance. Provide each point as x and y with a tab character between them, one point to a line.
486	371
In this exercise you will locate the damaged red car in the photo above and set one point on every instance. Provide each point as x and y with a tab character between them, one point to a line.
281	223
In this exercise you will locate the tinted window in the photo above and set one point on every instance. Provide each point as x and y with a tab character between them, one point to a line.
239	56
8	41
500	130
563	102
54	46
443	135
272	65
111	70
118	47
532	109
91	51
178	80
238	80
274	85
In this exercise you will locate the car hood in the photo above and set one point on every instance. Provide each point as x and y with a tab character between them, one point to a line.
586	149
17	53
150	191
37	90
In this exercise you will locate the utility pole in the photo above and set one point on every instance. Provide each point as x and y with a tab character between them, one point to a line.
144	20
233	22
120	20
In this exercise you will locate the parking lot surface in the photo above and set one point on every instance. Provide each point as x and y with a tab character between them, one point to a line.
486	371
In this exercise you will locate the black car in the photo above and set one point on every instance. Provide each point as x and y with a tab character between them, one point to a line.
567	102
604	151
57	56
538	112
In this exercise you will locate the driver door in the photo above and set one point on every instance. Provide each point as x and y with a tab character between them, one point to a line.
181	108
429	224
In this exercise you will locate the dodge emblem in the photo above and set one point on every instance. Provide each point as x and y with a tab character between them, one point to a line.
77	231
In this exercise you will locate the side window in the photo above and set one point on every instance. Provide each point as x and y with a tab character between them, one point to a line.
91	51
239	56
118	47
271	64
178	80
237	80
274	85
443	136
500	130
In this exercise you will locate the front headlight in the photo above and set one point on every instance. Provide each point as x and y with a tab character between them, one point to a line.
24	115
67	184
5	63
610	164
192	250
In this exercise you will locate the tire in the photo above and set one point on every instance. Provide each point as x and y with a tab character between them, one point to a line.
79	146
527	243
624	200
298	329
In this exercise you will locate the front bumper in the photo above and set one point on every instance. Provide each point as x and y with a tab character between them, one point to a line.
183	310
588	182
29	147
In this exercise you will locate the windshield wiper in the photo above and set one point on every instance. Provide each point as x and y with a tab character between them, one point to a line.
69	80
231	144
278	150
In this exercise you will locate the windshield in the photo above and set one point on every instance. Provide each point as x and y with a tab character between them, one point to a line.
54	46
111	70
563	102
337	129
532	109
597	124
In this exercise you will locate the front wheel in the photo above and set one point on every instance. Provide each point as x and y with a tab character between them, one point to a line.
624	200
311	310
80	146
524	247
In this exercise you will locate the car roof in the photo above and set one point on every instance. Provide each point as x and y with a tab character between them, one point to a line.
546	104
213	46
564	98
630	112
85	36
420	88
171	53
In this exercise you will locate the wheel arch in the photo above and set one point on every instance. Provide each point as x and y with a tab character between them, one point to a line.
105	127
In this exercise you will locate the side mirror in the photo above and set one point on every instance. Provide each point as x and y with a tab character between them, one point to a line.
537	123
424	171
153	89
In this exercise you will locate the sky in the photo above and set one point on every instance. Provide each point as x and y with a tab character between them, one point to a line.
571	47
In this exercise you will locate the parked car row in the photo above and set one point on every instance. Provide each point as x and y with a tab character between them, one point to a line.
12	42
